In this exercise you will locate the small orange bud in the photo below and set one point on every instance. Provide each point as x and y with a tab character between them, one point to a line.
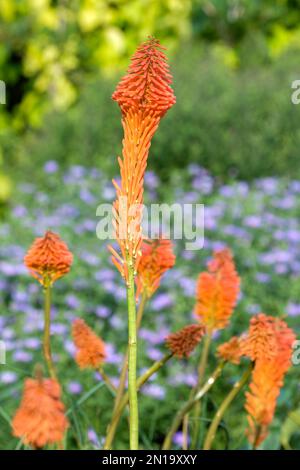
231	350
90	348
48	258
183	342
157	257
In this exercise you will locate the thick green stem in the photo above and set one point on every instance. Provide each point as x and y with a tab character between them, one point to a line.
201	374
190	404
132	362
143	379
47	324
121	387
223	407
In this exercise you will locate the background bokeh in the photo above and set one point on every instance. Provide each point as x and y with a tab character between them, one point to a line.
231	142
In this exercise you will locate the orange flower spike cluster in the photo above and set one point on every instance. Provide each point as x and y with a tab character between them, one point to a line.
144	96
90	348
40	419
183	342
157	257
48	258
217	291
269	344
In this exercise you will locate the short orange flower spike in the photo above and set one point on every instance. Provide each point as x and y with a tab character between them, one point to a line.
183	342
144	95
157	257
40	419
231	350
217	291
48	258
269	344
90	348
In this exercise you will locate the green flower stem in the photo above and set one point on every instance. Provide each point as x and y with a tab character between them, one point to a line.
179	417
132	362
223	407
201	374
107	381
123	375
140	382
47	324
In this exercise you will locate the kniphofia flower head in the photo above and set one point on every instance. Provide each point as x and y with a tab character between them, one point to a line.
144	95
231	351
217	291
90	348
183	342
48	258
157	257
40	419
269	345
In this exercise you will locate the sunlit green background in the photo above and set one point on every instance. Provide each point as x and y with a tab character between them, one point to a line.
233	62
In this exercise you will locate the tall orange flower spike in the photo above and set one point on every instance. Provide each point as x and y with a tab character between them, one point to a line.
217	291
144	96
269	344
48	258
183	342
157	257
40	419
90	348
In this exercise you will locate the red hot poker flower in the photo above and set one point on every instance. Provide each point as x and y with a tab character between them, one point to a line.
231	350
146	86
90	348
217	291
48	258
40	419
183	342
144	96
269	344
157	257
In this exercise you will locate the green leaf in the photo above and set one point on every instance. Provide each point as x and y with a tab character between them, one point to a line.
290	427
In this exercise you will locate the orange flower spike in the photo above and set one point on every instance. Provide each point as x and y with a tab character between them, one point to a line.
90	348
231	350
144	95
40	419
48	258
157	258
183	342
269	344
217	291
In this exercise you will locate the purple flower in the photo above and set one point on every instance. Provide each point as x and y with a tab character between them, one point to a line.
51	166
8	377
74	387
178	439
154	390
161	302
92	437
22	356
102	311
72	301
262	277
32	343
293	309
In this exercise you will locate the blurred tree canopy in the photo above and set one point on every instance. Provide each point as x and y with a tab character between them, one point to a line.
50	47
51	50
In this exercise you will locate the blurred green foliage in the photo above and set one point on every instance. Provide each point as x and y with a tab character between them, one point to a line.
237	123
233	63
